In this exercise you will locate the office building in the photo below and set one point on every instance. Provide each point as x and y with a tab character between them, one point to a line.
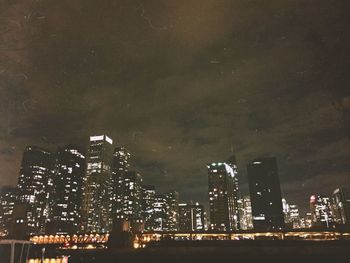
172	199
265	194
98	187
321	211
66	201
223	196
7	202
120	166
191	217
35	184
245	213
132	196
160	207
341	203
148	199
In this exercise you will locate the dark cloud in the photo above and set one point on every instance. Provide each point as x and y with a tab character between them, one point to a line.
181	84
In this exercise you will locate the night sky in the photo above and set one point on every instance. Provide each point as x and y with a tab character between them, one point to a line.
182	83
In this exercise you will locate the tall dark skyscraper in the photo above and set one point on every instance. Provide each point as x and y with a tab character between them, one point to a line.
97	192
341	201
35	185
66	199
223	196
120	166
265	194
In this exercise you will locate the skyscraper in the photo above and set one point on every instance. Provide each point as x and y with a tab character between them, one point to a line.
97	192
148	199
321	211
223	196
245	213
132	196
8	197
265	194
172	198
35	185
341	200
66	199
191	217
160	212
120	166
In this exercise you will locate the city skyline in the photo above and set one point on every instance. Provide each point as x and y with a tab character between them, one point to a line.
303	206
68	192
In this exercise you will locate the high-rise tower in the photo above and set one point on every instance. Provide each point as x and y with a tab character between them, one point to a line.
35	185
265	194
67	192
223	196
97	192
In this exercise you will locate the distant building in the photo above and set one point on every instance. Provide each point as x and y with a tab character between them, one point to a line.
8	197
97	192
294	216
191	217
223	196
35	184
245	213
66	198
172	199
132	196
160	207
148	199
120	166
341	201
265	194
321	211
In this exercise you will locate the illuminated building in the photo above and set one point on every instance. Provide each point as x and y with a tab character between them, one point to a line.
132	196
97	192
341	200
7	202
35	184
66	199
321	211
294	216
265	194
191	217
223	196
172	199
120	165
160	212
148	198
245	213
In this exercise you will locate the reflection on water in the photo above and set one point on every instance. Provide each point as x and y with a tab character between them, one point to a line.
63	259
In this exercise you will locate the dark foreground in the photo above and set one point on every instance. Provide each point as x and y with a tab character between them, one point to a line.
220	251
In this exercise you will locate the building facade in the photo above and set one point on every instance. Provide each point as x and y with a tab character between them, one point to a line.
35	184
8	197
66	201
120	166
321	211
97	191
148	200
223	196
265	194
192	217
341	203
172	199
245	213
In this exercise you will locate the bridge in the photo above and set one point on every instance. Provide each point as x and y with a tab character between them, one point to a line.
86	241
